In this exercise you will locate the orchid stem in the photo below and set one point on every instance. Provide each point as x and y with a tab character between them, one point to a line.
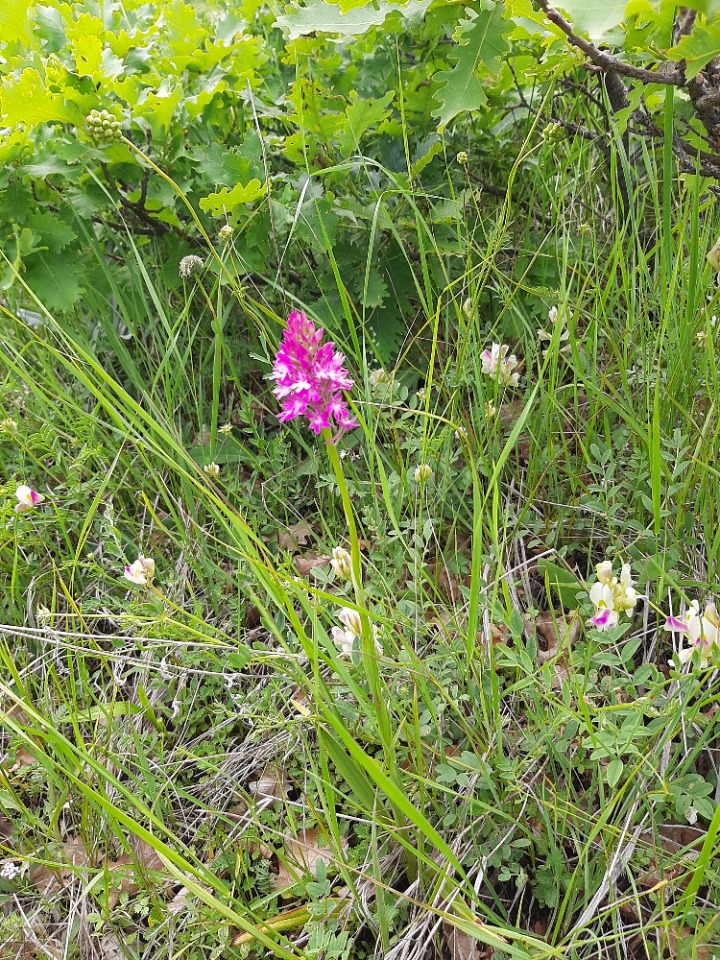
369	654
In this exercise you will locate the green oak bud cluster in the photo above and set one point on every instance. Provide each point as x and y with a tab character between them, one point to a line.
103	126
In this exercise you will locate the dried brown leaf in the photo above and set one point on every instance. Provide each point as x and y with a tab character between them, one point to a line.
273	783
459	945
666	860
294	536
110	948
23	758
305	563
125	871
179	901
301	857
50	879
554	630
556	634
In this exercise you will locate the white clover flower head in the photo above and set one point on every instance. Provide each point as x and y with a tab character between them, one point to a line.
190	265
225	233
141	571
212	470
27	498
497	364
423	473
341	563
9	870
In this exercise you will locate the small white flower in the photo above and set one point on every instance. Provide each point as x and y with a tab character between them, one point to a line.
226	429
490	410
702	631
28	499
225	233
423	473
351	619
190	265
467	308
378	376
497	364
9	870
341	563
544	337
612	596
345	639
462	157
8	425
382	384
140	572
212	470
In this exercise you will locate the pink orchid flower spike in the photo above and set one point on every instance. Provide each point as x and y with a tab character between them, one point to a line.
310	377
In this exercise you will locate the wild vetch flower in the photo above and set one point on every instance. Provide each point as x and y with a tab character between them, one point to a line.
612	596
543	335
382	384
140	572
190	265
423	473
28	499
341	563
310	377
345	639
702	631
497	364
